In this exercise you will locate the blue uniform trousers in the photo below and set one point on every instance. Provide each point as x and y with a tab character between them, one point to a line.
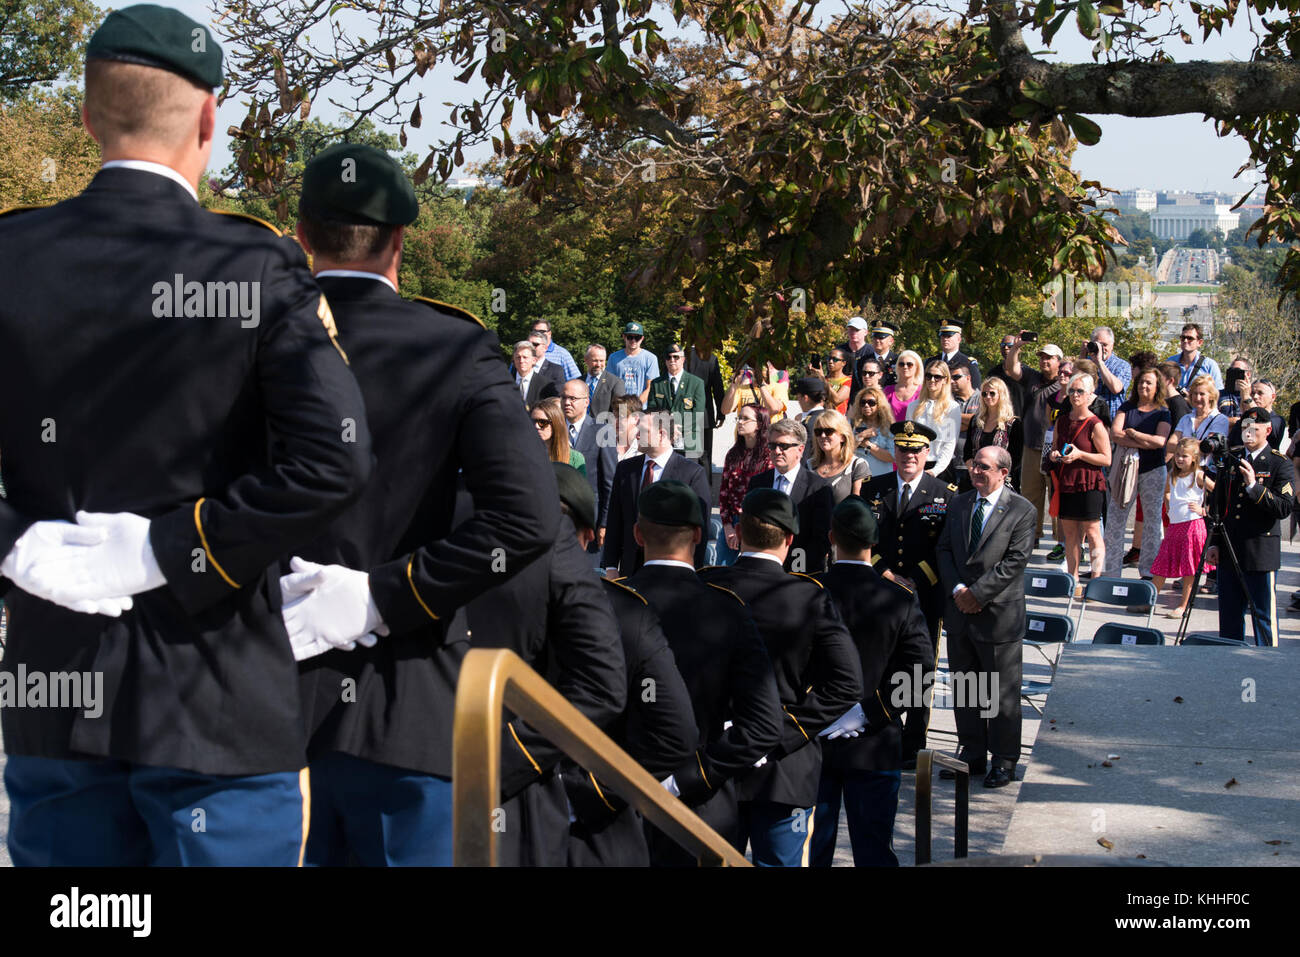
1233	609
870	802
777	833
377	815
118	814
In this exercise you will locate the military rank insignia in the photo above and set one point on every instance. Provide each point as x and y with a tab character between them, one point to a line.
327	320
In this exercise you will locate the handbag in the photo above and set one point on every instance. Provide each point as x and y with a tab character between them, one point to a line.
1124	478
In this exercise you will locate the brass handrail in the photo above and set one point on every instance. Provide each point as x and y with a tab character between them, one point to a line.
925	761
491	679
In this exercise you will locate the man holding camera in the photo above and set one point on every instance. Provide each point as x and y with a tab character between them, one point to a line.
1253	494
1113	373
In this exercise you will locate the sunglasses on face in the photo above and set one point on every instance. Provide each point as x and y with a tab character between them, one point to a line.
1078	391
1065	373
782	446
959	375
870	372
823	433
989	395
937	378
869	403
981	467
907	365
1189	339
541	424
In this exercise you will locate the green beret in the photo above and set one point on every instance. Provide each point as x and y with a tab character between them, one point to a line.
912	435
576	494
854	516
670	503
773	507
359	185
159	37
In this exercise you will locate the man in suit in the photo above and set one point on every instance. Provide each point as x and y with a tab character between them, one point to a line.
810	492
183	503
704	366
863	767
532	385
1253	496
817	673
983	551
719	653
397	564
601	385
681	394
632	477
597	443
910	506
549	366
950	351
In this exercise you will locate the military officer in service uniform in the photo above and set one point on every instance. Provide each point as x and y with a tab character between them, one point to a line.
733	689
681	394
882	347
395	565
950	351
1253	495
817	672
910	506
861	768
151	349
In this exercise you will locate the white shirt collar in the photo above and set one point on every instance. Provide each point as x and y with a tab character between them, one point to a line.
992	498
158	169
912	485
789	476
671	563
767	555
357	274
851	561
577	425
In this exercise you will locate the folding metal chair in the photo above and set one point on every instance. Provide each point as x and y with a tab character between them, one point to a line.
1042	630
1118	591
1208	638
1050	584
1113	634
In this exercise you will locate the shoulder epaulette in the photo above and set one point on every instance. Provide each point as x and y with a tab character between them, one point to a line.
247	218
618	583
456	311
23	209
809	577
727	591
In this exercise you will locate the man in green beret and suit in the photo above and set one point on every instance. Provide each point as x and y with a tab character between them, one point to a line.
681	394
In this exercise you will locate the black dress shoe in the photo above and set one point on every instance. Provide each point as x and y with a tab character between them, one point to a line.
1000	776
976	766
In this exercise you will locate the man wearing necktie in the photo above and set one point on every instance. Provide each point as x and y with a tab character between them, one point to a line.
601	385
1252	498
982	554
682	394
811	494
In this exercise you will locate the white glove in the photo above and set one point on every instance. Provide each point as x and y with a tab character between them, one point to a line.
670	783
847	725
52	544
761	761
328	606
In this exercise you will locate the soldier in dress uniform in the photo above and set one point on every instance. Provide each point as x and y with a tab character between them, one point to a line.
817	676
1253	496
151	347
737	711
910	506
882	347
397	564
862	768
950	351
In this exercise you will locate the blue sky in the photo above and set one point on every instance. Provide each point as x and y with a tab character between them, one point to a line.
1179	152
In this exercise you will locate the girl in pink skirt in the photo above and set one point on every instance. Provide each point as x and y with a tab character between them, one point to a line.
1181	547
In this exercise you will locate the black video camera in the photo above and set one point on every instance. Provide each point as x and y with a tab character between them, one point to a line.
1216	447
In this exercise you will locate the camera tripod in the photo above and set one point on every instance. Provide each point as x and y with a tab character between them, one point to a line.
1217	535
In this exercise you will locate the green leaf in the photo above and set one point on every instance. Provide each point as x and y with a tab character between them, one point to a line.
1087	17
1085	130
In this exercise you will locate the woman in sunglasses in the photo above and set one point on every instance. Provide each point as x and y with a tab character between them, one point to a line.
1080	456
908	386
552	429
833	457
935	407
871	422
996	423
838	382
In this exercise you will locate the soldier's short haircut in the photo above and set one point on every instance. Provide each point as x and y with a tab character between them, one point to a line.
788	427
135	102
664	538
343	242
755	533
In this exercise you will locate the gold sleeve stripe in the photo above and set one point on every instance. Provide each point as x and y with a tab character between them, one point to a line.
796	723
409	563
929	572
203	540
599	793
523	749
888	713
702	774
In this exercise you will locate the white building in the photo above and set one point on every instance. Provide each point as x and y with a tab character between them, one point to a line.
1169	221
1142	200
